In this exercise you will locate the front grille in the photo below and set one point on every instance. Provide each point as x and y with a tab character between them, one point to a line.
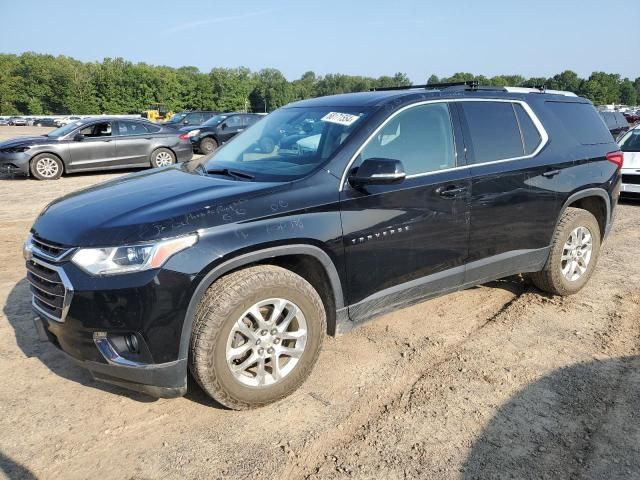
51	292
631	179
49	250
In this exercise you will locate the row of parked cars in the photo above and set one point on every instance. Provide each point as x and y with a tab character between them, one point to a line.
103	143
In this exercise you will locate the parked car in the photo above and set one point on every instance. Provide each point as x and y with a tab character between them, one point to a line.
630	146
182	119
616	123
4	122
632	117
95	144
236	266
45	122
17	121
59	122
218	129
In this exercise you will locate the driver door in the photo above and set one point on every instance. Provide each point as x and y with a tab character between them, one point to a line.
407	241
230	128
95	149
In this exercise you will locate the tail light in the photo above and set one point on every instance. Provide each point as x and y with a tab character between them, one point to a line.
185	136
616	157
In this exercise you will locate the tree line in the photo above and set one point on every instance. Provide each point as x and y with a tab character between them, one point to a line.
37	84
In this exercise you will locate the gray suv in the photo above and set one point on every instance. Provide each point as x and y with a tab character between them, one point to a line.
95	144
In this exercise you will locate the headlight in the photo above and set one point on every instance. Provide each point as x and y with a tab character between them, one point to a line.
18	149
193	133
133	258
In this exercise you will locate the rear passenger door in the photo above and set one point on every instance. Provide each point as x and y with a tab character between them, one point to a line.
514	204
230	127
133	143
406	241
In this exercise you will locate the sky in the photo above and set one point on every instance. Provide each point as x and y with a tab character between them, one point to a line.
357	37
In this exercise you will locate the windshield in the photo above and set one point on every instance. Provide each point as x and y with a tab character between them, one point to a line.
289	143
64	130
176	118
215	120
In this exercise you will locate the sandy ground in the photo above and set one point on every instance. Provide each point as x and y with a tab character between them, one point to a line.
499	381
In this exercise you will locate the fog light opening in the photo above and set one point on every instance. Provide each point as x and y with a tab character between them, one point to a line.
132	343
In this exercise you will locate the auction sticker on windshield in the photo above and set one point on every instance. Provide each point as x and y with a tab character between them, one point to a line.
345	119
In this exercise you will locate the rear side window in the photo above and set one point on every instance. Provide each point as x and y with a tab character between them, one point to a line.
622	121
493	130
420	137
153	128
609	119
581	121
131	128
530	134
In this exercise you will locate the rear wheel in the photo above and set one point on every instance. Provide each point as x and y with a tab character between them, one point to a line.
574	254
162	157
207	145
256	336
46	167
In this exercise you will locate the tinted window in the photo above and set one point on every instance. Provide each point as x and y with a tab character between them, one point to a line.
621	120
493	131
97	130
234	121
152	128
251	119
581	121
420	137
132	128
530	134
609	119
194	118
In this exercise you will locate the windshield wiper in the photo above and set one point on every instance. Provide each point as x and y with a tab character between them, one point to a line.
231	173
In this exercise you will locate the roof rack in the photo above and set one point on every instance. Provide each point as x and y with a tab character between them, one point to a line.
474	85
468	84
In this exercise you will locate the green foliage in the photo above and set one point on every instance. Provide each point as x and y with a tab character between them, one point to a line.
43	84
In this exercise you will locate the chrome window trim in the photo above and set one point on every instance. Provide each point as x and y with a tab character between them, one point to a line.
68	291
544	136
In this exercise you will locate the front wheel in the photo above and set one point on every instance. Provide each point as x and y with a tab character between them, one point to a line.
162	157
256	336
574	253
207	145
46	167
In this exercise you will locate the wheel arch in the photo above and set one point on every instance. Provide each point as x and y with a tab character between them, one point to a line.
296	258
594	200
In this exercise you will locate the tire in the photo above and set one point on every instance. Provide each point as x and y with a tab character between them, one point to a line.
224	306
38	124
46	167
162	157
207	145
554	278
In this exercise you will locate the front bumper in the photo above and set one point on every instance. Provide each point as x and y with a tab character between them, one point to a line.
102	314
166	380
14	163
630	180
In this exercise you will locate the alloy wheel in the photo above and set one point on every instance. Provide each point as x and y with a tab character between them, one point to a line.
163	159
266	342
47	167
576	253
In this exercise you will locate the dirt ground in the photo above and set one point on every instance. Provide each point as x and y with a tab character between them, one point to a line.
499	381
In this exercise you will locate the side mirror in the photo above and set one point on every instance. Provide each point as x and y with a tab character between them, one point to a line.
223	126
78	137
185	122
378	171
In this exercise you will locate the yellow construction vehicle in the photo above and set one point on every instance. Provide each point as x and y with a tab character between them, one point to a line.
157	112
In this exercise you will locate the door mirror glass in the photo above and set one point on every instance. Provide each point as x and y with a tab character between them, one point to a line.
78	137
378	171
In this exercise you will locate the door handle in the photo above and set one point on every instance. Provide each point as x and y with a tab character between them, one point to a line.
551	173
450	191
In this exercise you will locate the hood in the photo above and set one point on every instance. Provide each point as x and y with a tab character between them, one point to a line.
20	141
190	128
148	205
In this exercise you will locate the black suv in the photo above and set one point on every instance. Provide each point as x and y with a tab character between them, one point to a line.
182	119
236	265
616	123
218	129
